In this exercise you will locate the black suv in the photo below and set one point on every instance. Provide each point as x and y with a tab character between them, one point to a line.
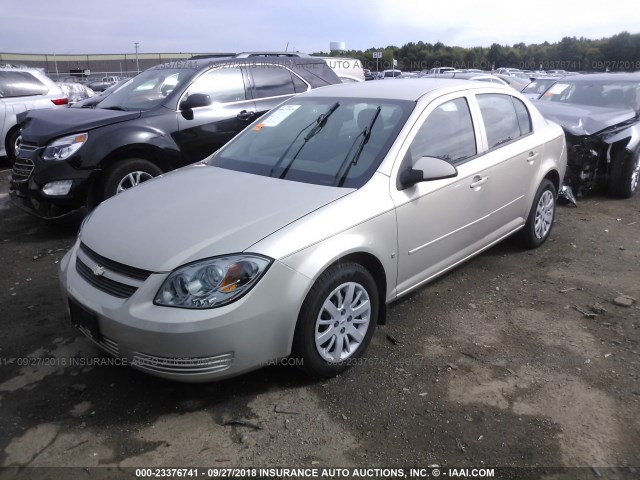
166	117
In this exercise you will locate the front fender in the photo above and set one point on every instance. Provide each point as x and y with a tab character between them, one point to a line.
376	237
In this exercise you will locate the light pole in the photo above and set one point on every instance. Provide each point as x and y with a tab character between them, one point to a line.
137	65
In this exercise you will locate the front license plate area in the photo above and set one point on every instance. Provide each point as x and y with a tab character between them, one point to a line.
83	318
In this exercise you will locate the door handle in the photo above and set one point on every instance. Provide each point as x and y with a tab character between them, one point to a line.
532	156
245	115
478	181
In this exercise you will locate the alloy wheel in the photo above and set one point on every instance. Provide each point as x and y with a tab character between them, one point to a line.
132	179
544	214
342	323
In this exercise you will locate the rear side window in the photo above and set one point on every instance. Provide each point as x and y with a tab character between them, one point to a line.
272	81
505	118
20	84
524	120
224	85
299	84
447	133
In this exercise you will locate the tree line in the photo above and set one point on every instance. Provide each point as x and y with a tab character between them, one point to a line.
620	52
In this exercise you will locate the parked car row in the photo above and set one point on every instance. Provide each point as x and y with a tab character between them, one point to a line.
321	201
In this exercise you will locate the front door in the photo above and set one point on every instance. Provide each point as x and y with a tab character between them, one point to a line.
203	130
442	222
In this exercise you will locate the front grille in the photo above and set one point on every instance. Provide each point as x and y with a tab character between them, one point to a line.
103	283
120	268
183	366
22	169
108	345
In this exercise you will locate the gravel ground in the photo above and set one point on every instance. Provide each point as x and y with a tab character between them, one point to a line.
518	358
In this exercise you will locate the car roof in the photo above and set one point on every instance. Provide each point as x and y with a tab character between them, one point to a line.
200	63
603	77
406	89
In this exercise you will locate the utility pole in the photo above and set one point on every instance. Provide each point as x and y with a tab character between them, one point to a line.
137	65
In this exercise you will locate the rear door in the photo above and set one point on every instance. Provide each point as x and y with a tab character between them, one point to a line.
203	130
272	84
441	222
515	154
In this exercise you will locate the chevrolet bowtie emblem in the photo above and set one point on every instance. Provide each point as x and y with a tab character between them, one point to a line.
98	270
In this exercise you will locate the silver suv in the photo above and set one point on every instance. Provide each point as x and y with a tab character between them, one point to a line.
22	89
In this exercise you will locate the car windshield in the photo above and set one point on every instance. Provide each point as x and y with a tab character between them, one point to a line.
539	86
147	90
324	141
611	94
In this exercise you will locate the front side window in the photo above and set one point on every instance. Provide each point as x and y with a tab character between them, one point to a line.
501	120
20	84
447	133
272	81
223	85
325	141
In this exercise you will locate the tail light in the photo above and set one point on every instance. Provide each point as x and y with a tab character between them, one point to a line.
60	101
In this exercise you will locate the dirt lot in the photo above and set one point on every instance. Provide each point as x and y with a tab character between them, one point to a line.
492	365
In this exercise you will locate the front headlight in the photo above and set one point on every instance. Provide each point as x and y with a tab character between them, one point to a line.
64	147
213	282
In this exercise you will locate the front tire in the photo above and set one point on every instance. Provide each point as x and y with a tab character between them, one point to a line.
13	140
541	217
337	320
624	176
127	174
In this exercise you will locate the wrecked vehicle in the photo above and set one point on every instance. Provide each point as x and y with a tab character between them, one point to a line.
600	115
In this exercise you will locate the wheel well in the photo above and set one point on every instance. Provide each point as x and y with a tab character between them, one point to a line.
373	265
554	177
143	152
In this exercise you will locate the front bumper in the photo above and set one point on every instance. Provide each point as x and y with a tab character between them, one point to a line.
30	174
192	345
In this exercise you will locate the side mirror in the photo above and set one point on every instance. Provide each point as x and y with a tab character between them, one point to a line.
426	169
195	100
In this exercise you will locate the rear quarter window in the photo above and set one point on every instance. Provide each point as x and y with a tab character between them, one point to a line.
20	84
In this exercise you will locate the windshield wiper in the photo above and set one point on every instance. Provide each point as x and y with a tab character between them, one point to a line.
366	134
320	122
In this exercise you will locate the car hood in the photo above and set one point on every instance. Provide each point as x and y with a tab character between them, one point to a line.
583	119
197	212
41	126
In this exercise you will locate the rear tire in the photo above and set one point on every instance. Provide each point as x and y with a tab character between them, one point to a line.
540	220
624	176
337	320
127	174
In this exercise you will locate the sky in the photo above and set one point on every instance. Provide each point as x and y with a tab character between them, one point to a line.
199	26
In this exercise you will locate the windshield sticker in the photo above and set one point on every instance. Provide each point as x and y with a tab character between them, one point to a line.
557	89
279	115
258	127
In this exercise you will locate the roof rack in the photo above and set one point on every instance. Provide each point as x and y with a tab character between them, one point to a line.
271	54
212	55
